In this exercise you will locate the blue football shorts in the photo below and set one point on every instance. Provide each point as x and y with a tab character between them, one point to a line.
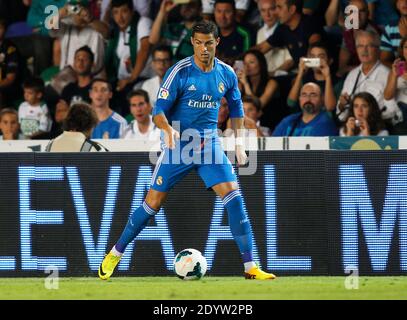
206	156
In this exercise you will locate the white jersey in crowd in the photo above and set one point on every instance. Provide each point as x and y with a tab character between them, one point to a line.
123	49
133	132
34	118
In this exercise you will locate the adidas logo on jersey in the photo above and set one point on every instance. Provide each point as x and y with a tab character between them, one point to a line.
192	88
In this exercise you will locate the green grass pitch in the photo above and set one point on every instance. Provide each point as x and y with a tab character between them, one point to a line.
209	288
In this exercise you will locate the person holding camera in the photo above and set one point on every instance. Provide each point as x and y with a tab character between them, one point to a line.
364	118
371	76
315	68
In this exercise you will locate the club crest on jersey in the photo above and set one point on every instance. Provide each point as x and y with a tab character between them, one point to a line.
163	94
221	87
159	181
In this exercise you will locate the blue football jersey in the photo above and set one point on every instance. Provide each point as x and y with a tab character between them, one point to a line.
192	96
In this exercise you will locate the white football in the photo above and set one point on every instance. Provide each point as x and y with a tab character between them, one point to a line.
190	264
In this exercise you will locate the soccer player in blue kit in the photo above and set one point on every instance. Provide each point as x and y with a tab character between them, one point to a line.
190	97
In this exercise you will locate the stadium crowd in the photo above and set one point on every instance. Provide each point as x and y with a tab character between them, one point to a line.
305	67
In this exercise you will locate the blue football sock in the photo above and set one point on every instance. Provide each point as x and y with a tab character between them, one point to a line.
239	224
137	222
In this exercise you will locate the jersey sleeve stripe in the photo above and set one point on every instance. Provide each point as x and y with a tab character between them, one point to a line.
174	71
172	76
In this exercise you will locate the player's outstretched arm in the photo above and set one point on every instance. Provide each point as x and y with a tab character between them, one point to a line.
170	134
238	128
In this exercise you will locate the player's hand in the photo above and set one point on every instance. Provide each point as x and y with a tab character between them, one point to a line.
170	136
241	155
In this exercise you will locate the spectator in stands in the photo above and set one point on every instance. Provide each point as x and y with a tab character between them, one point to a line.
312	120
295	32
348	56
395	91
128	50
176	34
370	76
320	75
33	115
241	6
78	126
142	127
143	8
9	125
61	111
235	40
254	81
382	12
111	124
9	69
252	112
77	29
162	61
393	33
278	59
78	91
364	117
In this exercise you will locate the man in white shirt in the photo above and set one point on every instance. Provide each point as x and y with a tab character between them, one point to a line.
162	61
277	58
142	127
370	76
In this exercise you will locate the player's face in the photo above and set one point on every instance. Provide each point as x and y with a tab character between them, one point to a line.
139	108
82	63
100	94
161	62
251	65
360	108
9	125
122	16
204	47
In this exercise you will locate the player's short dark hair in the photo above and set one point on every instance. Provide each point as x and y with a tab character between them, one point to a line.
81	118
205	27
231	2
253	100
34	83
162	48
119	3
88	51
139	92
297	3
109	85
